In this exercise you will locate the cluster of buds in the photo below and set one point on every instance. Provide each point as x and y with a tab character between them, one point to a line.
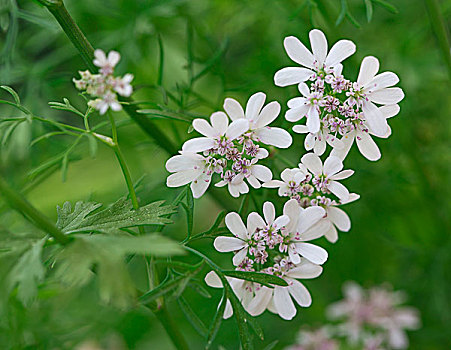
104	87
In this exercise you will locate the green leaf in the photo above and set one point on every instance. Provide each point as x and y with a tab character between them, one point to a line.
199	289
92	141
191	316
189	209
369	10
64	166
271	345
12	92
112	219
262	278
66	106
217	320
28	273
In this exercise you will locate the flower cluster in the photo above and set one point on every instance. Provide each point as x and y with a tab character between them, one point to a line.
370	319
338	111
316	184
104	86
276	246
231	146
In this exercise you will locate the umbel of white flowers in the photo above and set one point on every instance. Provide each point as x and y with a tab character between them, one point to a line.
337	112
104	87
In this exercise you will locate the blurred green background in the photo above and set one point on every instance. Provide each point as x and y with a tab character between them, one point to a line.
400	227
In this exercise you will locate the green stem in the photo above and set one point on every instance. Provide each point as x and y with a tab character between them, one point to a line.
16	201
84	47
441	31
172	329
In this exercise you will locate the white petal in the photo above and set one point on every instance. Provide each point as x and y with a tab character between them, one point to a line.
314	253
339	52
182	162
113	58
281	221
292	75
254	105
213	280
332	234
204	128
313	122
100	58
275	137
387	96
305	270
300	293
347	141
389	111
296	102
273	184
309	217
381	81
228	312
338	189
253	181
298	52
239	257
320	146
237	128
313	163
228	244
339	218
368	147
220	122
254	221
335	142
198	144
268	114
261	172
292	210
317	230
319	45
332	165
294	114
269	212
368	70
182	178
283	303
261	300
304	89
235	225
293	255
200	185
233	109
342	175
374	118
301	129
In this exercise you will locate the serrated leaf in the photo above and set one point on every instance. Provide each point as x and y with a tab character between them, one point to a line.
28	273
192	317
112	219
262	278
217	320
12	93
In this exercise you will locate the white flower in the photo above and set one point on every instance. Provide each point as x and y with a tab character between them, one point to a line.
106	64
259	118
362	135
278	300
319	140
319	61
218	135
291	182
235	185
326	176
370	89
338	218
108	100
122	85
306	106
188	168
304	225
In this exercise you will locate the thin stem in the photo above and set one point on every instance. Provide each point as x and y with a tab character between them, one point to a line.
441	31
123	164
19	203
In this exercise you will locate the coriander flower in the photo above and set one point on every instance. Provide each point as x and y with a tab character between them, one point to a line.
259	118
291	184
318	141
320	62
104	87
325	177
338	217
